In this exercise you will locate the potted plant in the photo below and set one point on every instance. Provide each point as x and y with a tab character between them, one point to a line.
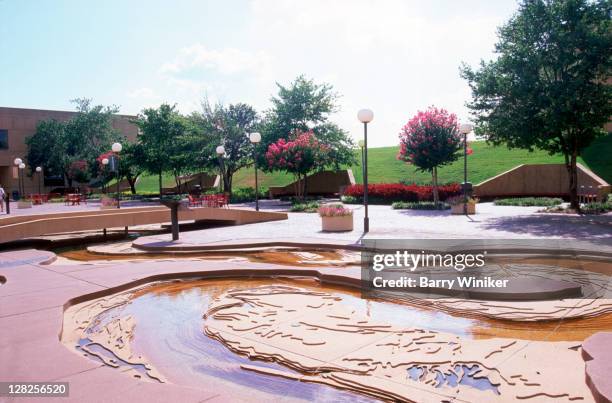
336	217
457	205
107	202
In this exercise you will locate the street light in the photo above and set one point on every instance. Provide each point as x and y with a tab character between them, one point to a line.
22	184
18	162
365	116
105	162
39	172
220	152
255	138
117	147
464	129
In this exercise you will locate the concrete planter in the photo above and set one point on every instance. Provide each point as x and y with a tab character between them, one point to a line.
337	223
107	203
458	208
24	204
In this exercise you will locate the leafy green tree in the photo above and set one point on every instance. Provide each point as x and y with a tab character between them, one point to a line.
161	129
549	87
228	126
58	146
304	106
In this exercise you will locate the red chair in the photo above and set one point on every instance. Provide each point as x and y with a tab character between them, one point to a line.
82	198
194	201
222	200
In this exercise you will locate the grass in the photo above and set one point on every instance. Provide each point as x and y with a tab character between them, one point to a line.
529	201
486	162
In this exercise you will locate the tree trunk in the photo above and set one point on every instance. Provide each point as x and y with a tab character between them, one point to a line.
160	182
305	185
228	185
434	177
573	183
132	181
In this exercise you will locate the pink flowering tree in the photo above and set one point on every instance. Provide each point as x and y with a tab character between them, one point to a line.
429	140
301	154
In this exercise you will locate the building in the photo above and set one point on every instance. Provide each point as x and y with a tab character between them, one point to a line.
16	124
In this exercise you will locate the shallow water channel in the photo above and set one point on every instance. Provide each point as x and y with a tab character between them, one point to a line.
169	332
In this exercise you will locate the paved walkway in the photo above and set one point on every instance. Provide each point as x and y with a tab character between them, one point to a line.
491	222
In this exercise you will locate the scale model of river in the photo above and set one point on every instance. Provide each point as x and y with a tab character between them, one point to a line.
166	330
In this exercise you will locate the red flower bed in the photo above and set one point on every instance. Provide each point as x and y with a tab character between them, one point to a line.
392	192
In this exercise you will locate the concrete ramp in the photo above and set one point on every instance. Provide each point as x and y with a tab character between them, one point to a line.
551	180
21	227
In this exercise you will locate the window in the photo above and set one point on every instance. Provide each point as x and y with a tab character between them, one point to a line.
3	139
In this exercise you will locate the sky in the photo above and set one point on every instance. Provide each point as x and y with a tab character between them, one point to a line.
395	57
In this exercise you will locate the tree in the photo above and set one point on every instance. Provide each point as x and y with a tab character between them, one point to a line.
299	156
548	88
57	146
228	126
307	106
429	140
130	164
161	130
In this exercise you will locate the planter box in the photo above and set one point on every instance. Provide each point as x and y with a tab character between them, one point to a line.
458	208
338	223
24	204
107	203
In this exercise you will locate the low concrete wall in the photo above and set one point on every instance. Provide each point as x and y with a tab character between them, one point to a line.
20	227
205	180
320	183
541	180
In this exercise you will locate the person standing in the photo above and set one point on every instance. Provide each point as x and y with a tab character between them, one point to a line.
2	198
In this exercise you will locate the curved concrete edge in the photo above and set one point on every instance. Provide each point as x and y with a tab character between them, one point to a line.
240	244
597	352
27	256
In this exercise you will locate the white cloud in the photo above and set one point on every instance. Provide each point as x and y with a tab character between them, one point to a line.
225	61
393	56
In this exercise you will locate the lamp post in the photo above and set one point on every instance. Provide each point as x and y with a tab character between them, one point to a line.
39	172
18	162
22	183
117	147
464	129
220	152
255	138
365	116
104	165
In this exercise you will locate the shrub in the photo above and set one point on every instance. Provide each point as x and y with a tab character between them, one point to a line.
597	207
246	194
387	193
346	199
420	206
309	207
529	201
334	210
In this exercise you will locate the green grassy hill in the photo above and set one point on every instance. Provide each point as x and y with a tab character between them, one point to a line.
487	161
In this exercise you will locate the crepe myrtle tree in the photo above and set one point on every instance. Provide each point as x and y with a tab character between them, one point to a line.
549	86
429	140
301	154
